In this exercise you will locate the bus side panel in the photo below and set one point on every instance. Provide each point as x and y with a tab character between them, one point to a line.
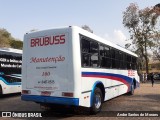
116	82
7	89
3	86
76	66
112	86
88	83
24	64
10	70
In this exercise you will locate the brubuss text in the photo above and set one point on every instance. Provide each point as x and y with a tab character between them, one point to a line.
47	59
47	40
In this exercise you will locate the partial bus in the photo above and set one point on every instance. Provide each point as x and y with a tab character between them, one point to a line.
10	70
71	66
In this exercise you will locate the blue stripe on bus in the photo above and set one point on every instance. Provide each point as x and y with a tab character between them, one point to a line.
50	99
14	83
118	77
105	75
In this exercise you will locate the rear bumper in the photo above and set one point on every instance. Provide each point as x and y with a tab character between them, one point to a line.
50	99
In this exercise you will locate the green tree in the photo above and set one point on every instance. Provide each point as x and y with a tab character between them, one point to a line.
5	38
17	44
141	26
156	50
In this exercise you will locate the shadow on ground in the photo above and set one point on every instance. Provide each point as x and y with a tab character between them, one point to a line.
9	95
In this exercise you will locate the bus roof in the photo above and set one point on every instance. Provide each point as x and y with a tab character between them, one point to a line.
11	50
90	35
104	41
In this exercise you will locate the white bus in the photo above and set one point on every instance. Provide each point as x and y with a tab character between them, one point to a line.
10	70
71	66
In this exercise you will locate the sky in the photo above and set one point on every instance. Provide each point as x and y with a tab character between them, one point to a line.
104	17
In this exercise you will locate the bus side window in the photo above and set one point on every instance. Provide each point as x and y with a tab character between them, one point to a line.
94	49
85	60
134	61
105	59
85	44
124	61
113	58
117	57
113	63
129	64
113	53
101	50
107	51
85	52
121	60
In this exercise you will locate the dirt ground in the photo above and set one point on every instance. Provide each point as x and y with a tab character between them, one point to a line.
145	98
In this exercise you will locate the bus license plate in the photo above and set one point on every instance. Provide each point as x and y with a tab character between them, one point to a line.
45	93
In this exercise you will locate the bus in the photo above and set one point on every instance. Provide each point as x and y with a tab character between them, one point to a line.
71	66
10	70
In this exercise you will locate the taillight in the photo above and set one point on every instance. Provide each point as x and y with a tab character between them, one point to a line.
66	94
26	92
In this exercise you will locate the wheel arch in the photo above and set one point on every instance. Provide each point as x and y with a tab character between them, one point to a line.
134	83
100	85
1	91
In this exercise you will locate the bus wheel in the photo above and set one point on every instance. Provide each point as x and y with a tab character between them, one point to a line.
97	101
132	89
0	90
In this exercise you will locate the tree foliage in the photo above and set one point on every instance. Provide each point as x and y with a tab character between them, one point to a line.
17	44
6	40
156	50
141	25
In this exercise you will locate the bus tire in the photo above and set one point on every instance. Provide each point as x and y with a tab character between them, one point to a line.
132	89
97	101
1	92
